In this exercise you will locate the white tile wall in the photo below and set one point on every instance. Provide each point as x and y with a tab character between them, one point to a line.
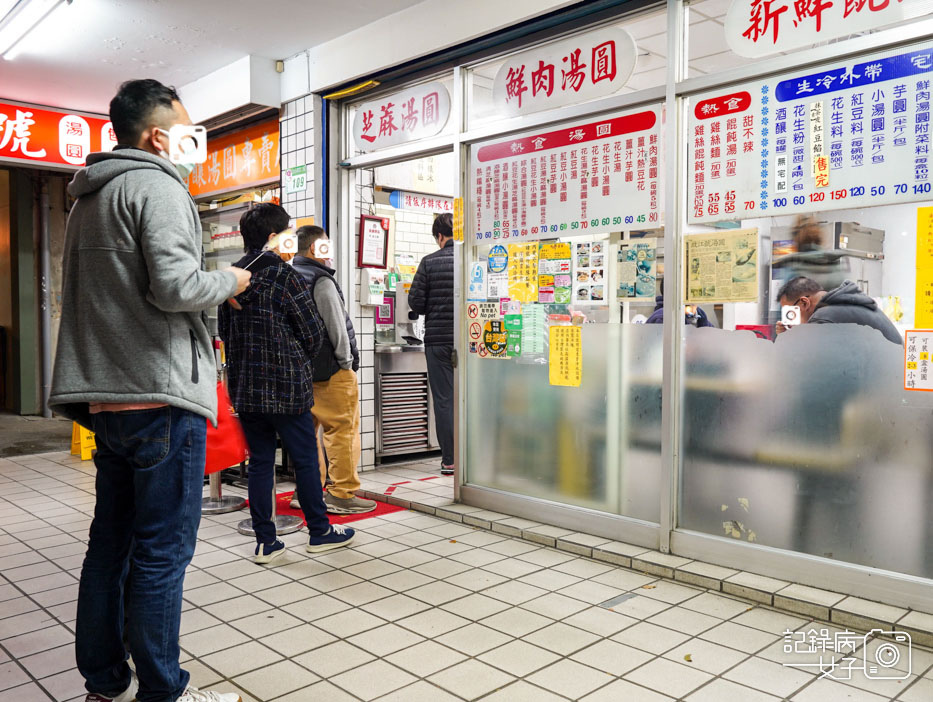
297	131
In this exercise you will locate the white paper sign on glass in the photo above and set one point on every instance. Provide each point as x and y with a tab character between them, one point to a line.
756	28
852	134
416	113
600	175
568	72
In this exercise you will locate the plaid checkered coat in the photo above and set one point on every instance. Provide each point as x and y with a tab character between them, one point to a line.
271	343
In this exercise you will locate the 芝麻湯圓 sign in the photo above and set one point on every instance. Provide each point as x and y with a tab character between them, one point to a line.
415	113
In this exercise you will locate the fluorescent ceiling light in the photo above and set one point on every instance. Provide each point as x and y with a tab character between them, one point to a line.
5	7
21	21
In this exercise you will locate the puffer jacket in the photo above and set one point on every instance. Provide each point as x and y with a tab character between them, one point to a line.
847	304
432	294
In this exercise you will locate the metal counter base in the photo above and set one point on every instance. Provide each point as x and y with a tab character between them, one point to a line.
404	409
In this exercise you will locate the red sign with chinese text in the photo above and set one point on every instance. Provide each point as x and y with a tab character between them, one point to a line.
605	129
238	161
723	105
37	136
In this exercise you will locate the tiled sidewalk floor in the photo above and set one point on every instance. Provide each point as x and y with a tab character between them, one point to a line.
420	609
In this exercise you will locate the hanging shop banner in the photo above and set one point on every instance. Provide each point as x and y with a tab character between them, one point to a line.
637	269
756	28
416	113
566	356
568	72
565	182
237	161
589	273
39	137
419	202
854	134
918	375
555	273
722	267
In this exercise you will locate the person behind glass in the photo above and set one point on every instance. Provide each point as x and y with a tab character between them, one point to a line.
135	364
693	315
272	333
846	304
432	294
336	393
811	260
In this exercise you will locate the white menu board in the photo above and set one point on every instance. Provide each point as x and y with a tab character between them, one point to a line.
566	182
852	134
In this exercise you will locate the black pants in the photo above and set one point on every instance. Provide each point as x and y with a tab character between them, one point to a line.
441	379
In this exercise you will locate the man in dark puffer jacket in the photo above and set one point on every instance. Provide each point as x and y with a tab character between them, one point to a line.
432	294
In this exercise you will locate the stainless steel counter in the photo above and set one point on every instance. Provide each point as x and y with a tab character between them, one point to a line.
404	410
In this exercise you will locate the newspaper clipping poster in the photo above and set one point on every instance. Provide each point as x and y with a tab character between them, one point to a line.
722	267
637	269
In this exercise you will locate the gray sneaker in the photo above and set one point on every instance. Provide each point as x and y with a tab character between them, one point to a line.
352	505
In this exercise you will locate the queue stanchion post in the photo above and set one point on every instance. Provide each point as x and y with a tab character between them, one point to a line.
284	523
218	503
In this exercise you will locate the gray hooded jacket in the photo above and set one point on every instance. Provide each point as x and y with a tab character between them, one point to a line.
847	304
132	327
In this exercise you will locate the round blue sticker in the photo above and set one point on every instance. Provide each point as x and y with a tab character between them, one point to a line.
498	258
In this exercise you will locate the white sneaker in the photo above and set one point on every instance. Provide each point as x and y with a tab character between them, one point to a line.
128	695
194	695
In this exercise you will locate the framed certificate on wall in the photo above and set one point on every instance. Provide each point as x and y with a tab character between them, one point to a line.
373	246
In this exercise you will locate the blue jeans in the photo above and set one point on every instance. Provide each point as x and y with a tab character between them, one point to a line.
150	473
300	440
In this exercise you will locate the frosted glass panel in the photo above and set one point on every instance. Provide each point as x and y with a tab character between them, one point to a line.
583	446
808	443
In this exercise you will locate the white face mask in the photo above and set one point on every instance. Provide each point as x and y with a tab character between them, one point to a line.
184	168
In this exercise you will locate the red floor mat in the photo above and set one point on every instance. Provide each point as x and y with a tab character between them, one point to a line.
283	499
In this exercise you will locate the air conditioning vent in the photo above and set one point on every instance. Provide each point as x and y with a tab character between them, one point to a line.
244	116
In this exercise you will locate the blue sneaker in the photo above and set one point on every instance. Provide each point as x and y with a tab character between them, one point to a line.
266	552
335	537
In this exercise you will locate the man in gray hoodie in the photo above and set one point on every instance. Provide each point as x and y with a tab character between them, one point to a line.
135	364
846	304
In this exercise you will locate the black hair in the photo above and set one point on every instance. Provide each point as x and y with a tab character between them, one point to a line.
443	224
307	235
798	287
258	222
132	109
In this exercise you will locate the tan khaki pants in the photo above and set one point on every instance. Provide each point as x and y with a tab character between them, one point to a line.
337	410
